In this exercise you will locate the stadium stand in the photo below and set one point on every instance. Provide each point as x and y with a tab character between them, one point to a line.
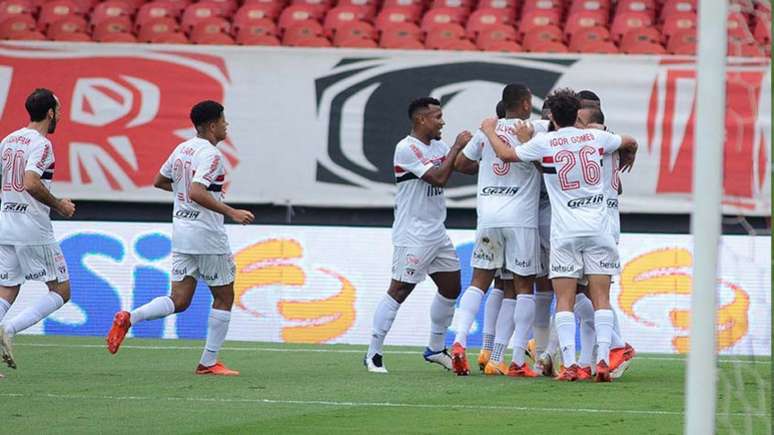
581	26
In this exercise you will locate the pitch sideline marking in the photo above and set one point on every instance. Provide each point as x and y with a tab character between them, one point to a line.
277	349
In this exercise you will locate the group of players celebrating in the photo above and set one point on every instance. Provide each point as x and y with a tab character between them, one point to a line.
548	225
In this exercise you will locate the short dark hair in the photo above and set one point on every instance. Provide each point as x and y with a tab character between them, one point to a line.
206	111
500	109
596	115
39	102
421	103
514	94
564	105
588	95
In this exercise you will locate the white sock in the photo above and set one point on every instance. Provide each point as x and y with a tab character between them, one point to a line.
491	310
216	335
584	311
617	337
44	306
541	325
441	314
4	307
603	323
565	329
383	318
466	313
159	307
523	316
504	329
553	338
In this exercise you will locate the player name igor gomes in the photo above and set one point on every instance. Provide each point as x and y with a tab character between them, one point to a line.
499	190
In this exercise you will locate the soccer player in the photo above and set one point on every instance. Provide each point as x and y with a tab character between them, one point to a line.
580	241
423	165
28	249
195	174
506	238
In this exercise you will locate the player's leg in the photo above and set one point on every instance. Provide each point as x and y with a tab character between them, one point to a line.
470	303
566	268
11	278
44	263
503	332
491	310
442	310
600	260
542	331
523	259
218	271
584	312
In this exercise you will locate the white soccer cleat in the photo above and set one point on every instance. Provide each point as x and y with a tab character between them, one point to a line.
442	358
6	348
374	364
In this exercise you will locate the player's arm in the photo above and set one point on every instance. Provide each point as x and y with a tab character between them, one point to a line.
501	149
627	152
37	190
439	176
199	194
162	182
465	165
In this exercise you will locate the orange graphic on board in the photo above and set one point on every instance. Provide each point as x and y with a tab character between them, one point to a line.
272	262
667	272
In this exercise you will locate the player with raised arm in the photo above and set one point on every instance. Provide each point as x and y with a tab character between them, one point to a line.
423	164
28	249
506	238
195	174
580	241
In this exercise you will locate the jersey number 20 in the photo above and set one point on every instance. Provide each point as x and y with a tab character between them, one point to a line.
13	170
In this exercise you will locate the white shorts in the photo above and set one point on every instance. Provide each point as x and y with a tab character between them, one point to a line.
214	269
545	249
412	264
574	257
19	263
504	274
515	249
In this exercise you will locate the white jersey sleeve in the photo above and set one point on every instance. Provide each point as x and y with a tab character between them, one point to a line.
609	142
475	147
410	159
532	151
210	167
40	157
166	168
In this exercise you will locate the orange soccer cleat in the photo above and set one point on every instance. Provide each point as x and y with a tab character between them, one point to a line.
584	373
217	369
620	358
522	371
603	372
459	360
495	369
118	331
483	358
568	373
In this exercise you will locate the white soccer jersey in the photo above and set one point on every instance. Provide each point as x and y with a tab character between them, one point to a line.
508	192
610	167
420	208
24	220
195	229
571	160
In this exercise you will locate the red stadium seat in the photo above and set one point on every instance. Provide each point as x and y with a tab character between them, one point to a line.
678	22
390	16
257	10
10	8
677	7
416	6
644	47
199	12
442	16
341	16
355	42
244	37
117	37
453	4
440	35
498	32
762	30
486	18
499	45
297	13
583	20
301	30
208	27
356	29
642	34
28	35
682	38
401	44
71	24
743	6
54	11
535	19
109	10
506	5
107	26
455	45
556	6
585	37
317	41
394	36
71	37
206	38
541	35
598	6
738	30
639	6
744	50
227	7
369	5
627	21
16	24
84	7
260	27
547	47
151	29
170	38
597	47
155	10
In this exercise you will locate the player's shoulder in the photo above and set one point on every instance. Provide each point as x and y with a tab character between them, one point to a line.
541	125
439	144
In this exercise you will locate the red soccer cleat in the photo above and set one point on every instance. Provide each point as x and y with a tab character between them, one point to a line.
568	373
522	371
118	331
603	373
217	369
584	373
459	360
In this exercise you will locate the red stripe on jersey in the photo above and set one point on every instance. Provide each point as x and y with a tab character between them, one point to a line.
399	169
548	159
51	167
601	151
220	178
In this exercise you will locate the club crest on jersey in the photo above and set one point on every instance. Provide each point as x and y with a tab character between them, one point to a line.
358	89
15	207
589	201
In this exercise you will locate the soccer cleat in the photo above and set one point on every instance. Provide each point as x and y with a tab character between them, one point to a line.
483	358
584	373
531	350
6	348
118	331
459	360
546	364
522	371
217	369
620	359
603	372
495	369
441	357
374	364
568	373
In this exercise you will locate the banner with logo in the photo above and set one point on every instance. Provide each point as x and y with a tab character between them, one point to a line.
318	126
322	284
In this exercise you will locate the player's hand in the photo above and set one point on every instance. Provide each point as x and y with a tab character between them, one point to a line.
524	131
462	139
489	125
243	217
65	207
627	161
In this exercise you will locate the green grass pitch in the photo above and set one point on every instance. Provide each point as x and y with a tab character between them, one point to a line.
72	385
